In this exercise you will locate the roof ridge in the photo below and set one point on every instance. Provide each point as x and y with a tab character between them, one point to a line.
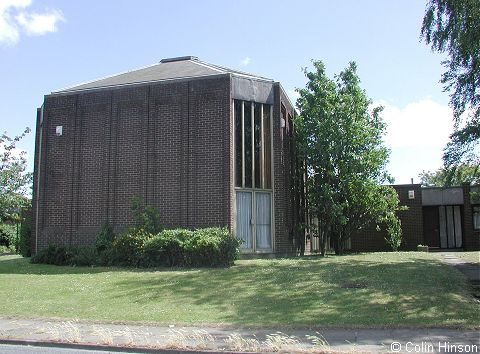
234	71
68	88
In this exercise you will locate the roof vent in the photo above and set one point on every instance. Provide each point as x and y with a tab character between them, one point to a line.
169	60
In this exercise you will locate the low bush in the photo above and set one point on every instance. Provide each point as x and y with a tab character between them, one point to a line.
62	256
166	248
56	255
82	256
211	247
104	245
128	247
8	236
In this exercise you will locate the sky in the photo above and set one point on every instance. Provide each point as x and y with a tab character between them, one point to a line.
46	45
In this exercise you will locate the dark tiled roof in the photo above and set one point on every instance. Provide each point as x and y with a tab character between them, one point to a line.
167	69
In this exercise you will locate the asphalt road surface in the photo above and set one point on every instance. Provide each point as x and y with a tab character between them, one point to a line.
28	349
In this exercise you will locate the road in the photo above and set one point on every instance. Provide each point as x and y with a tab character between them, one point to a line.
27	349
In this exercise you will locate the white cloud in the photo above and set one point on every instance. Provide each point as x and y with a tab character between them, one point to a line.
245	61
16	19
422	124
416	135
38	24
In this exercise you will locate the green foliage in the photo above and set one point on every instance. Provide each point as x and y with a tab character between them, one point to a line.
451	176
211	247
105	238
8	236
14	181
394	232
56	255
24	243
339	137
451	26
82	256
104	245
62	256
146	216
166	248
128	247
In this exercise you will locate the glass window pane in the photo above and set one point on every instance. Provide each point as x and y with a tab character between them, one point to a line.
267	146
257	145
476	217
458	226
247	111
263	220
244	219
238	142
443	227
450	228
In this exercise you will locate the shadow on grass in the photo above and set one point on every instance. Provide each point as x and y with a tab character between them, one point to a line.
362	290
301	293
18	265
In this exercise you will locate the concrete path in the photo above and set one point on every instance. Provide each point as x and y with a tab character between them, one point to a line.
470	270
172	339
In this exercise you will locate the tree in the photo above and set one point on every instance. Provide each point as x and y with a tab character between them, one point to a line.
451	176
14	181
453	26
340	139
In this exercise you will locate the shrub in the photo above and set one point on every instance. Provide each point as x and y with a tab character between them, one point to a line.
146	217
56	255
211	247
82	256
166	248
105	238
62	256
24	244
104	245
8	236
128	247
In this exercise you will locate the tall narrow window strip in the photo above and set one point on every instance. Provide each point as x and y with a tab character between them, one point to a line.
262	150
252	145
247	113
267	146
243	146
457	220
257	143
237	115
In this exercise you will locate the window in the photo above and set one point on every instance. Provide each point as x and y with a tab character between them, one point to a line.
253	149
476	217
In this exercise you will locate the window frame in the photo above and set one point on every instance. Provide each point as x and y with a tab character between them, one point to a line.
475	210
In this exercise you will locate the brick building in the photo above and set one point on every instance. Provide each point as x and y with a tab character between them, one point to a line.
441	218
205	145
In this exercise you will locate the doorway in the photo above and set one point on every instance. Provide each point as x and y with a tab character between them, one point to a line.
254	220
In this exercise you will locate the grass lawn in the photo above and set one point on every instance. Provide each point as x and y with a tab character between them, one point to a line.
471	257
366	290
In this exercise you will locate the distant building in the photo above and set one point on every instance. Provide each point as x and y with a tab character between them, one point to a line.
205	145
441	218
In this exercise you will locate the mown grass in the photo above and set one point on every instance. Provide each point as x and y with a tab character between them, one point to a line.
366	290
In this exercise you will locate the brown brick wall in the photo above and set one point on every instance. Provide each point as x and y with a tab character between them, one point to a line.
370	239
168	143
282	177
471	237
